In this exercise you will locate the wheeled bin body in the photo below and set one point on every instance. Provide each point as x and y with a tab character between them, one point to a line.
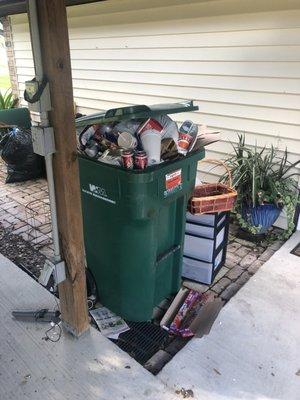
134	223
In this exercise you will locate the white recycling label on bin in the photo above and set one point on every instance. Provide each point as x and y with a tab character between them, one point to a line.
99	193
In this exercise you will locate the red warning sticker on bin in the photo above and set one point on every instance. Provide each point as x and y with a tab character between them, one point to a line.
173	182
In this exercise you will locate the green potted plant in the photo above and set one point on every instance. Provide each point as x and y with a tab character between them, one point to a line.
7	100
264	180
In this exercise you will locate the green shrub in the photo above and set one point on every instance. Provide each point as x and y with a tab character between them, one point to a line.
7	100
263	176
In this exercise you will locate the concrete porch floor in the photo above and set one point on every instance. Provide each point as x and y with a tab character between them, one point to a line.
252	351
91	368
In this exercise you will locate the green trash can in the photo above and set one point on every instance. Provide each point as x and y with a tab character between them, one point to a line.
16	117
134	223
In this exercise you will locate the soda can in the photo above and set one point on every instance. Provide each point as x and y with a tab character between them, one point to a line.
140	160
127	159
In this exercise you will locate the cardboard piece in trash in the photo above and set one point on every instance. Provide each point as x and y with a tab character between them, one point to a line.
168	149
205	140
206	317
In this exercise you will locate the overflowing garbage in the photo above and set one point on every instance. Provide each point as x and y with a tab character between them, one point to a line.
138	144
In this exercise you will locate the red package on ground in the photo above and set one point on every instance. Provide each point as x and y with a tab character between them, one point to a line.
189	302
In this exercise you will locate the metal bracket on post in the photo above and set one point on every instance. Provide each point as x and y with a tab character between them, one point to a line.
73	331
37	94
43	140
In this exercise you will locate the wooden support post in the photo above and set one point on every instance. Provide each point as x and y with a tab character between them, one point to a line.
52	20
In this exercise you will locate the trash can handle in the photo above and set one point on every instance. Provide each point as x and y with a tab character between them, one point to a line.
167	253
126	111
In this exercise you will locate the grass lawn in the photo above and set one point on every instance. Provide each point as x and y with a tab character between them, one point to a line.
4	82
4	76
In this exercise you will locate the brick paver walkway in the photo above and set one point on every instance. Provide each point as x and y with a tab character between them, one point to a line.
24	211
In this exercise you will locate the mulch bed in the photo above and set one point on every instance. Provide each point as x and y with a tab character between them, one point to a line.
20	252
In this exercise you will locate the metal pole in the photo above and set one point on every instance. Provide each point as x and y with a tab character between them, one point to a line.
38	66
51	188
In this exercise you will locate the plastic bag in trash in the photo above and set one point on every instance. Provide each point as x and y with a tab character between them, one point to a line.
170	130
84	135
22	163
130	126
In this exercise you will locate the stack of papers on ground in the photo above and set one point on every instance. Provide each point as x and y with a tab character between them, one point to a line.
109	324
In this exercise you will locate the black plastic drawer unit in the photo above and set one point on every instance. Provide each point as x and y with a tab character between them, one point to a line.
205	245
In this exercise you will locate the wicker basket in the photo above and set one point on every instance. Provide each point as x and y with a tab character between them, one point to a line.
213	197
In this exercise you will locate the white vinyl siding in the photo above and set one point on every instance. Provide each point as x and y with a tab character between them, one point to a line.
239	61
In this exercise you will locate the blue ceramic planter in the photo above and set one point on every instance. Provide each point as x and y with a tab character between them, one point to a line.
264	216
